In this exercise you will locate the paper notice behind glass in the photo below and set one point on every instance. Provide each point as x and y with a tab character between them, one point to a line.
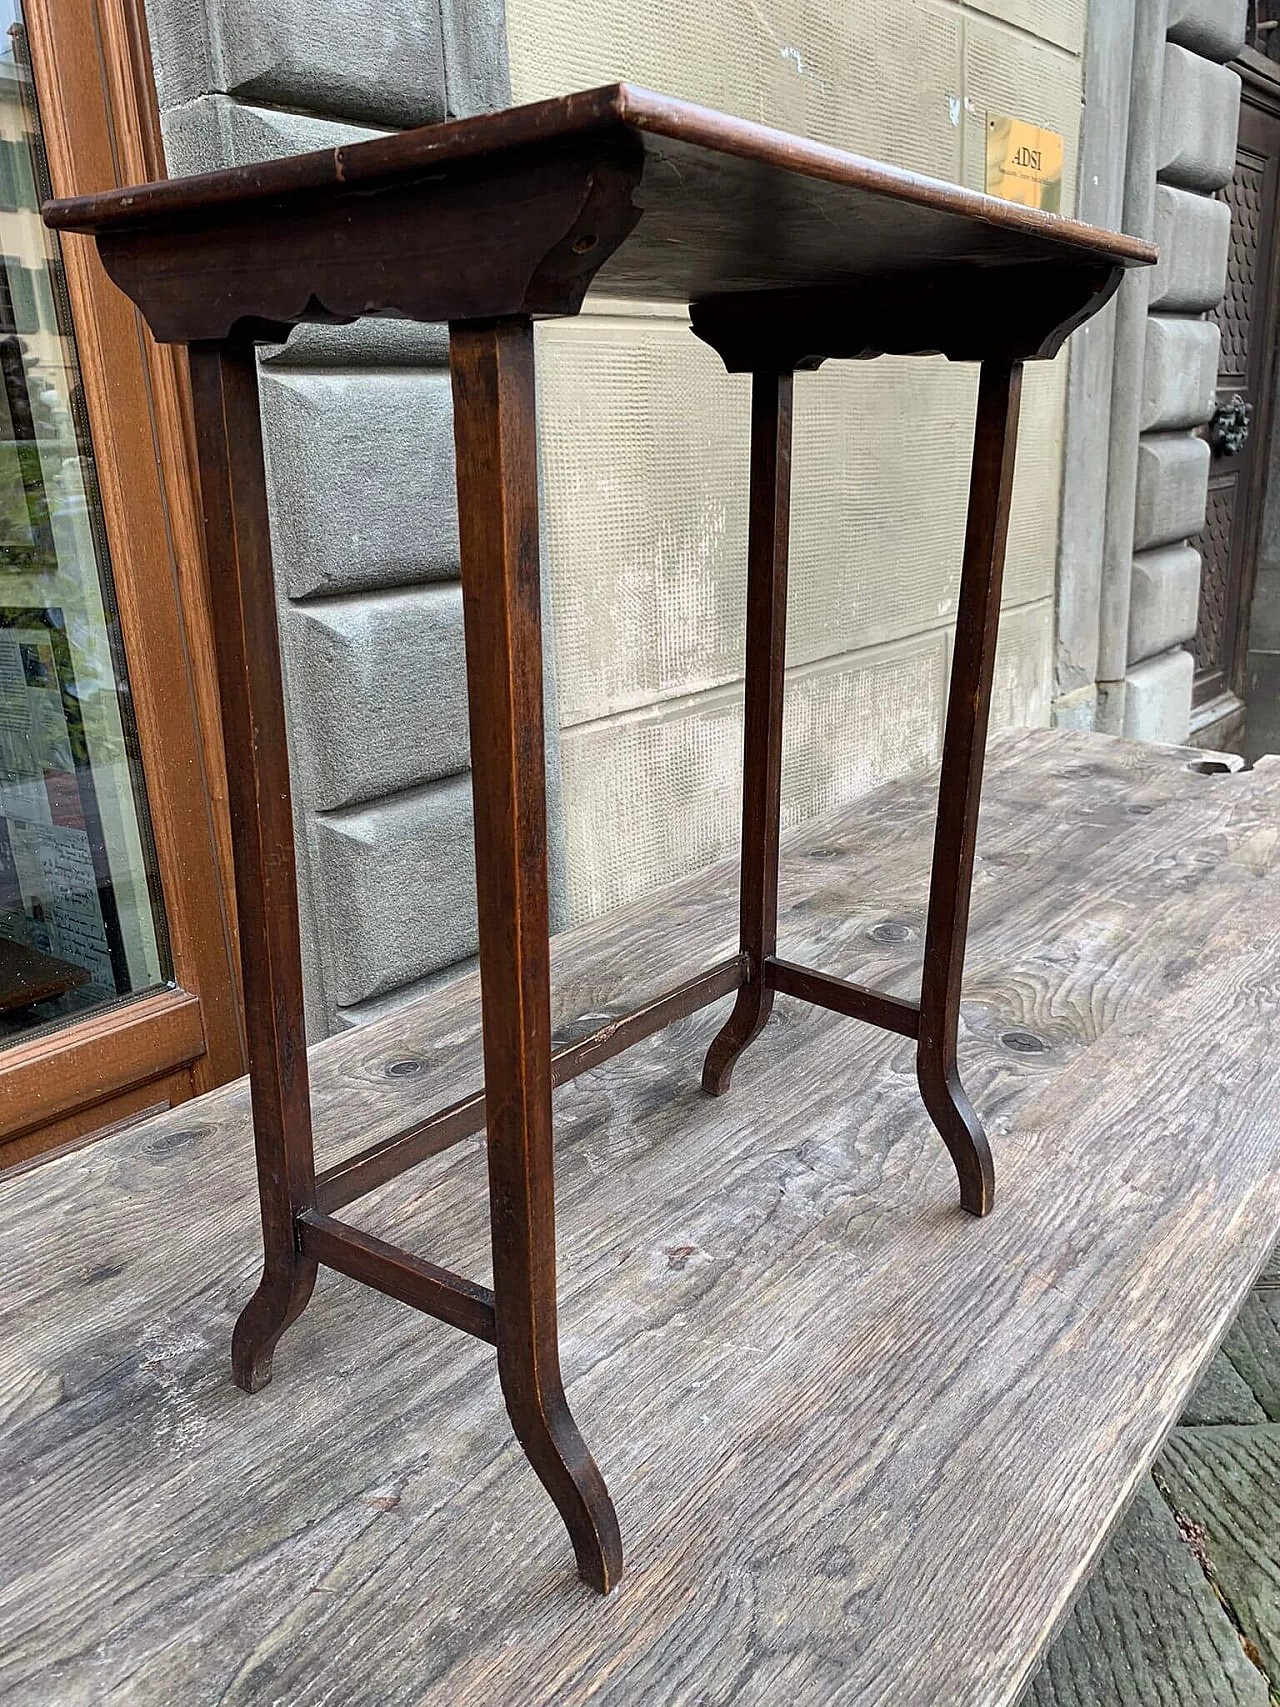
13	913
22	790
22	780
55	867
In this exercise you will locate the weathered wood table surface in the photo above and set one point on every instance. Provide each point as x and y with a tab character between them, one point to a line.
787	253
866	1447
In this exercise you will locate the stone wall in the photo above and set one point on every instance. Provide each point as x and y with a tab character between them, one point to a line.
1200	113
1121	662
644	444
1262	726
358	428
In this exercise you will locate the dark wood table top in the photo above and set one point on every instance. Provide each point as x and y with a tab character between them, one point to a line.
640	195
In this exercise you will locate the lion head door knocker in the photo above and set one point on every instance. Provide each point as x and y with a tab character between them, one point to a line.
1230	427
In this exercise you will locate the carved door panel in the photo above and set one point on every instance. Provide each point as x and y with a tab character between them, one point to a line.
1238	432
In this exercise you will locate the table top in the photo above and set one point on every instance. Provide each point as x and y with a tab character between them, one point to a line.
864	1448
522	210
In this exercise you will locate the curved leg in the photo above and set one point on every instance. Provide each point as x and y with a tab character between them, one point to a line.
545	1428
963	751
961	1130
495	428
237	542
279	1300
749	1017
767	546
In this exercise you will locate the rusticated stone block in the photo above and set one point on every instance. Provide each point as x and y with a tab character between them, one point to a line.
1173	487
375	60
1164	600
1194	235
1214	28
1179	373
1200	115
1157	701
212	131
395	883
363	478
383	683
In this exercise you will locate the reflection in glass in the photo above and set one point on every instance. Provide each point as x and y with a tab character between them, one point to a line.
80	918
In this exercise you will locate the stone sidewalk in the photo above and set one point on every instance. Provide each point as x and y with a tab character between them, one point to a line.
1184	1607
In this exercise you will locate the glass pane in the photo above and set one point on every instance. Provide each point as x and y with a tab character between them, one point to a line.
81	923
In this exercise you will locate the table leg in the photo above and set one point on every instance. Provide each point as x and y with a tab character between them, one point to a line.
495	429
242	586
963	751
767	547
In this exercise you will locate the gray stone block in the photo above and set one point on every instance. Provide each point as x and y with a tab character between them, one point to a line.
1110	716
1200	114
181	51
1227	1481
1194	234
1214	28
1179	373
1223	1396
1147	1629
213	131
477	75
365	343
378	1007
1253	1345
376	60
378	685
395	883
1173	488
1076	710
1164	600
362	478
1157	700
1264	614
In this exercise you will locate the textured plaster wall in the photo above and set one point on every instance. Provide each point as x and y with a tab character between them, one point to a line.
644	444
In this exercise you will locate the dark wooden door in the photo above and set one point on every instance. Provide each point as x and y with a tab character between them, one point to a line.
1240	431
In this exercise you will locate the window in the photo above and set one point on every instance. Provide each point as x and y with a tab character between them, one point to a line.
81	920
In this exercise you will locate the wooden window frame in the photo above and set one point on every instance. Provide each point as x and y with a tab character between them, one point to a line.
92	73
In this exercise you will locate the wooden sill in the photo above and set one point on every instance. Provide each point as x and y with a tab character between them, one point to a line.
78	1066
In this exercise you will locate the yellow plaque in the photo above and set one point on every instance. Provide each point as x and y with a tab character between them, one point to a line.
1024	163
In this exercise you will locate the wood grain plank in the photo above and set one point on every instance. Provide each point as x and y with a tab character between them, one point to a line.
1048	823
864	1447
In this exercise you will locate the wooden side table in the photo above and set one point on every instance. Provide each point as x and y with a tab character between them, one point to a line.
788	253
